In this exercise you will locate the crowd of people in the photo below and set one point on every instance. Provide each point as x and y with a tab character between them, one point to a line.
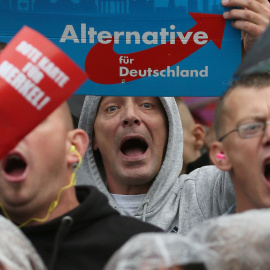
114	193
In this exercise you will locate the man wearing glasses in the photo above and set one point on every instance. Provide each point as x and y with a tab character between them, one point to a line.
243	146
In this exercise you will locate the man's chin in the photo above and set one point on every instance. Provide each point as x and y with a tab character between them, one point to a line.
137	176
16	201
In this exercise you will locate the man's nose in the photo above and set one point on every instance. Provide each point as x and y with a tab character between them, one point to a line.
266	137
131	117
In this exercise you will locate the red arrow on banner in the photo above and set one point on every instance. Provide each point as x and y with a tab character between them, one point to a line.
102	63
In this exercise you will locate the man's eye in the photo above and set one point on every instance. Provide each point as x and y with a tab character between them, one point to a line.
112	108
252	128
147	105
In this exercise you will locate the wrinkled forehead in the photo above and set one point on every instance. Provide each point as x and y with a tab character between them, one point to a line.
122	99
248	102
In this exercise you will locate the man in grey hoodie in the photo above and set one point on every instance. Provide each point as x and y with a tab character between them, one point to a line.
135	158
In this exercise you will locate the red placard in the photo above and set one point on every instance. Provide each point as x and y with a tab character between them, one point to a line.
35	78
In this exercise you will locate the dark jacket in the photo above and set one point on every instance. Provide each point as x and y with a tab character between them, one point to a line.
87	236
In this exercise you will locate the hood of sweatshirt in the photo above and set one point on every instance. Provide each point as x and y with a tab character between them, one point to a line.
168	173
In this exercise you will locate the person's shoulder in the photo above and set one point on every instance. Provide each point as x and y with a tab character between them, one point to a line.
131	225
90	192
207	173
103	213
206	178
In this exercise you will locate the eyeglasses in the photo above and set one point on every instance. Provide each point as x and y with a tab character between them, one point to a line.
248	130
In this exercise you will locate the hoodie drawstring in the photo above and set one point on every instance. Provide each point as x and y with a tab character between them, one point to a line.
144	210
62	231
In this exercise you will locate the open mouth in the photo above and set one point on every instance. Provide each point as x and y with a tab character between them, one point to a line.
14	165
267	170
134	147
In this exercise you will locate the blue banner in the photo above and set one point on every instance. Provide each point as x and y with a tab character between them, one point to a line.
136	47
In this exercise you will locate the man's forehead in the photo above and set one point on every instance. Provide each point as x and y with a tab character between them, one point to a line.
62	113
110	100
60	110
247	91
247	102
122	98
236	98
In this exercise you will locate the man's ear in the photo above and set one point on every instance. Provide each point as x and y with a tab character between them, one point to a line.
219	157
77	140
199	133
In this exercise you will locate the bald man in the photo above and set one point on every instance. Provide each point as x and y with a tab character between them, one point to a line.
70	228
194	135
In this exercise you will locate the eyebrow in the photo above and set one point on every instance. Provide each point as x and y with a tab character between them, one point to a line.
252	118
109	99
